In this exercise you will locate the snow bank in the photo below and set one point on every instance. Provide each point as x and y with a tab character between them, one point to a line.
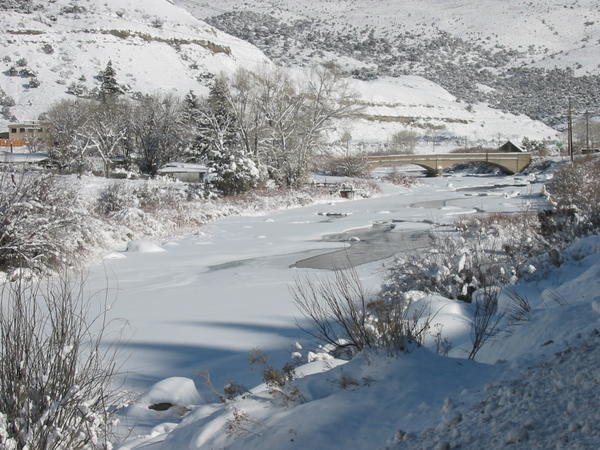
176	391
144	247
536	385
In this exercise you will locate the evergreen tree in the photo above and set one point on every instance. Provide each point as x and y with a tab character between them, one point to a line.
191	109
191	117
220	146
222	112
109	88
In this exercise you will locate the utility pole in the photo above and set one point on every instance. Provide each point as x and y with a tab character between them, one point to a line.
587	131
570	131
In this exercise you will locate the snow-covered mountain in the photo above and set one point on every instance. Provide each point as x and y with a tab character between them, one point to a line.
554	33
50	50
411	73
517	55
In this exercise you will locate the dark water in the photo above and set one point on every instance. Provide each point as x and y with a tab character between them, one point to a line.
374	245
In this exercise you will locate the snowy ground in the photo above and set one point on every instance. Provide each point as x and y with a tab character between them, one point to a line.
203	301
535	386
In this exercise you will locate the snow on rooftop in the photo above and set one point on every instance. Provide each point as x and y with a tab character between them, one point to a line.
176	167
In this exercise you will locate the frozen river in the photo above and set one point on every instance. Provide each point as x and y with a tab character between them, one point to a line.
209	298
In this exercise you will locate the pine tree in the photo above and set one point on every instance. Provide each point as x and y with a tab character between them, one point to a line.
192	126
191	109
220	145
109	88
221	110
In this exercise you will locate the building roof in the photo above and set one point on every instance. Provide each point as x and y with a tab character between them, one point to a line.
509	146
177	167
22	158
28	123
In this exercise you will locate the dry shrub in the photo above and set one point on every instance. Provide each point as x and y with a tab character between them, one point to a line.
349	166
341	315
240	424
55	376
400	179
519	309
486	318
346	381
277	380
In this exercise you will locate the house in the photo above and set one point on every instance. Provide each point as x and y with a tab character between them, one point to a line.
509	147
28	131
187	172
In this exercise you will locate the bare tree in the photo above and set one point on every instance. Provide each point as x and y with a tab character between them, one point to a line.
71	142
157	131
282	122
403	142
108	128
250	120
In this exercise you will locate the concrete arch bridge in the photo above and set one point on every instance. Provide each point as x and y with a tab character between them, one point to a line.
435	164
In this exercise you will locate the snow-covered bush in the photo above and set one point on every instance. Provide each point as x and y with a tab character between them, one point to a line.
34	83
488	254
235	172
114	198
574	191
488	251
157	196
150	196
42	222
55	378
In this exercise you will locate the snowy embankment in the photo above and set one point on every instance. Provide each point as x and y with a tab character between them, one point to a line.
527	379
129	210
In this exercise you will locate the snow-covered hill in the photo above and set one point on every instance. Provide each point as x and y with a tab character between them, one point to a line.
520	56
553	33
440	122
61	45
55	49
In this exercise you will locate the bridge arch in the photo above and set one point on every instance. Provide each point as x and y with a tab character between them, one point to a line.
502	167
429	168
